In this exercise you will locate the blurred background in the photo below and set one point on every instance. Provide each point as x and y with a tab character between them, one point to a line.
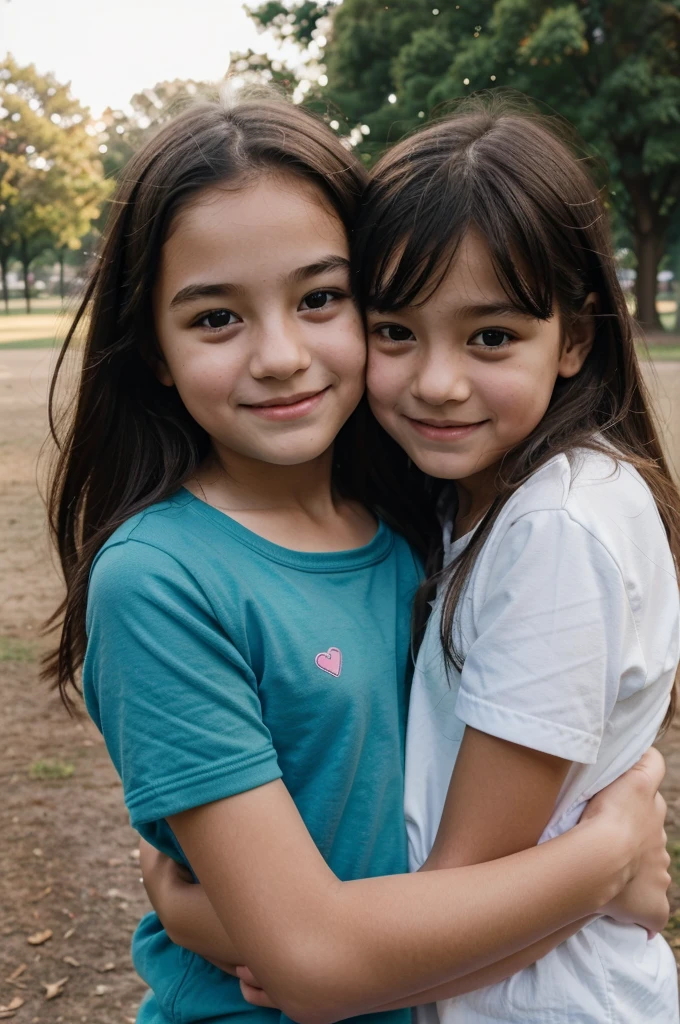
82	85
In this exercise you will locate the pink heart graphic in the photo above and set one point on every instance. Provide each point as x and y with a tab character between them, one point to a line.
330	661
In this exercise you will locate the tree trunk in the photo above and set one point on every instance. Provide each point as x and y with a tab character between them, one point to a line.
649	229
26	263
4	261
61	274
648	258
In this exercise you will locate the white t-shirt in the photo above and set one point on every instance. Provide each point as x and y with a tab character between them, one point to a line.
570	628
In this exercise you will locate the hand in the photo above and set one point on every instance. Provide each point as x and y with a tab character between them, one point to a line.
160	875
635	804
170	886
252	991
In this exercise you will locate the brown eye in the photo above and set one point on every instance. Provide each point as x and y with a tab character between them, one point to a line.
318	300
218	318
492	338
395	332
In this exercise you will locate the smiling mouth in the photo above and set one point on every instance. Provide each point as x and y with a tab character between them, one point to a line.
444	430
288	407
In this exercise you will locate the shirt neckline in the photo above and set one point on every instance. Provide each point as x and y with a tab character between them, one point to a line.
453	548
377	549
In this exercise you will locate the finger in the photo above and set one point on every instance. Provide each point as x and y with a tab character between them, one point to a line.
653	766
256	996
245	974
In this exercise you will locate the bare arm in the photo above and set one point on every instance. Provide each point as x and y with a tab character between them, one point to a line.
324	949
486	816
184	909
499	802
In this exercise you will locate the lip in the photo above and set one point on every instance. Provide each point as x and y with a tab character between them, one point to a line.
444	430
290	407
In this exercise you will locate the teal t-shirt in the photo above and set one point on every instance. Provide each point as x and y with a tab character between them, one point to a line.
218	661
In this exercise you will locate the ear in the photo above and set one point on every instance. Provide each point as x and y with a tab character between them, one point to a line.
161	372
579	340
153	357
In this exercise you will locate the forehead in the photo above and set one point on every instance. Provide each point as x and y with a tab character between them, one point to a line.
276	222
471	276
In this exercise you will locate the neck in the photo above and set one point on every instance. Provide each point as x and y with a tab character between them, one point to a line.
475	495
238	483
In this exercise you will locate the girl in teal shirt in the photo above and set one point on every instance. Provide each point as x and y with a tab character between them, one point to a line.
241	604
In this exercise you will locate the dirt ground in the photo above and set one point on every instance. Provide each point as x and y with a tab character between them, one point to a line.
69	878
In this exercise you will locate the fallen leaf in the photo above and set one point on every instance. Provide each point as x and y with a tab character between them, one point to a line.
69	933
71	960
39	937
54	988
101	990
41	895
17	972
15	1004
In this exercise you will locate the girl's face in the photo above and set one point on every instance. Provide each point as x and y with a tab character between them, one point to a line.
255	321
462	378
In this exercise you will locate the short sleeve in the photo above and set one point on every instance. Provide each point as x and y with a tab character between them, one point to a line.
177	704
554	635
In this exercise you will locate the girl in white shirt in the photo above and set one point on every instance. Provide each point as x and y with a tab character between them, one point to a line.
502	361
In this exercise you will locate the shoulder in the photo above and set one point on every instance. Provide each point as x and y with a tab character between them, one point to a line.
606	509
150	558
600	492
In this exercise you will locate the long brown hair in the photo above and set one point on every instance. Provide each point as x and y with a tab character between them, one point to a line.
129	441
518	181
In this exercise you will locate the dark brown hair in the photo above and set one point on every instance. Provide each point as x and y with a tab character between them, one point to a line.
128	441
516	180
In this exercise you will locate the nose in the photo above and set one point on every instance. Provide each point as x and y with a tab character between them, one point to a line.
441	379
280	352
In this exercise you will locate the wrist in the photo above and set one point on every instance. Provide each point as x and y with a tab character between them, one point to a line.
610	851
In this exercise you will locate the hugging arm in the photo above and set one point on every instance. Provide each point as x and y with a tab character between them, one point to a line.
500	799
325	949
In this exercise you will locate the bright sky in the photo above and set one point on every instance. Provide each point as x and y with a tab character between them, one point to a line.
111	49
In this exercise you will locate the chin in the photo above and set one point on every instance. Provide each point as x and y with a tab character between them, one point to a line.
443	466
292	457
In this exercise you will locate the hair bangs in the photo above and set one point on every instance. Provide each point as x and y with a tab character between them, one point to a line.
410	234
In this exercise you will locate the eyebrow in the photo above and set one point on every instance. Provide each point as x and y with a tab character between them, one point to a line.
224	290
472	312
490	309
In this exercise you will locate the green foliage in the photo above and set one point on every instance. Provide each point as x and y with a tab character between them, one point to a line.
298	22
51	179
612	67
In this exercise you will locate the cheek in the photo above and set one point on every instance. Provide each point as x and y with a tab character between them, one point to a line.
348	351
204	374
519	398
385	378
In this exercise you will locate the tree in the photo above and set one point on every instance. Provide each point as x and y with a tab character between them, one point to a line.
51	179
612	67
